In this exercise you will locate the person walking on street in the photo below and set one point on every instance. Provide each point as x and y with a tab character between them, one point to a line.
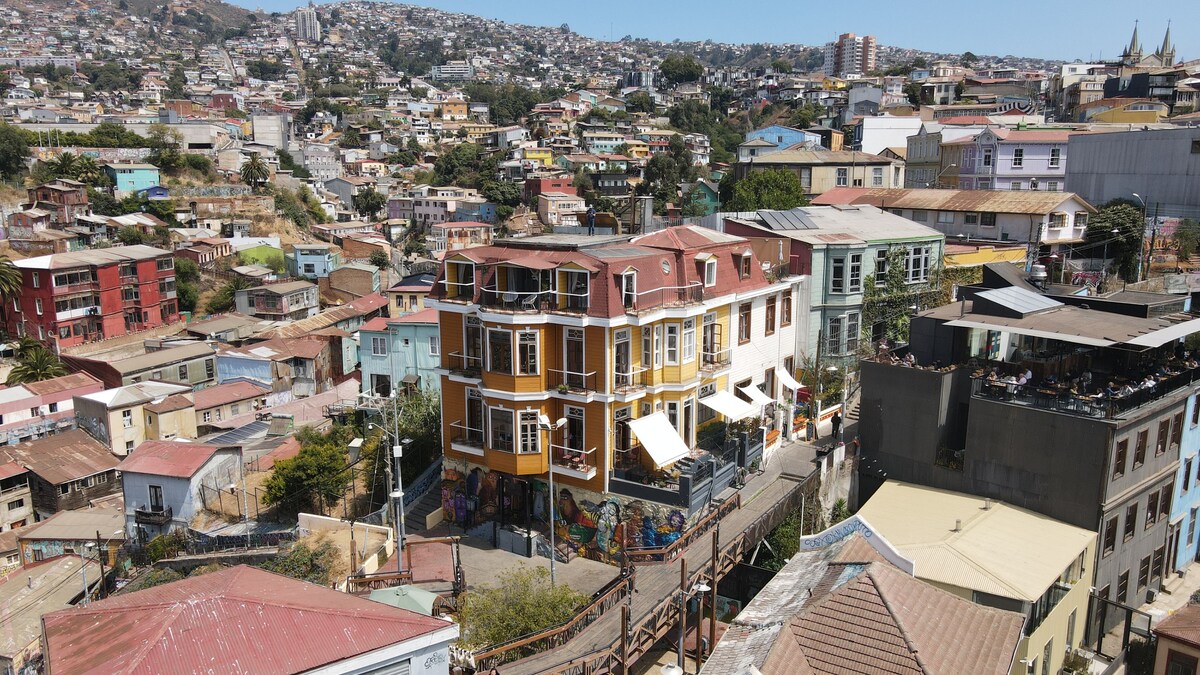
837	425
591	220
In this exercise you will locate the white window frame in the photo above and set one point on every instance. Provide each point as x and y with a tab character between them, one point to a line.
1018	159
537	352
710	272
526	428
877	177
837	283
854	273
671	344
1055	157
379	346
127	419
987	157
672	410
37	305
945	217
647	346
435	345
488	346
658	346
842	177
491	432
689	340
881	267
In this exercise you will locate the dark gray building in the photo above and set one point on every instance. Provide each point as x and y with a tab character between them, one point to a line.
1107	463
1159	165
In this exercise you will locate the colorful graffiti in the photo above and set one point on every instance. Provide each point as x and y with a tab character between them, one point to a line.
591	525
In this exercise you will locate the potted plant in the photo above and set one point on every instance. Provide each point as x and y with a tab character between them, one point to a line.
562	389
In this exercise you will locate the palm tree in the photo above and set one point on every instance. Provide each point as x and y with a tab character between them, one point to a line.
65	165
37	365
10	278
87	170
255	171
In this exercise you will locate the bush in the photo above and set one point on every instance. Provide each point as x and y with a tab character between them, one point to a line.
523	602
164	546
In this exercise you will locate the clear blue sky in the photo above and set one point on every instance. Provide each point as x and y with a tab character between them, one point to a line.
1044	29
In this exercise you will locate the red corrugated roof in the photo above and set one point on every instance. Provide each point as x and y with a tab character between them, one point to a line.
10	469
168	458
238	620
230	392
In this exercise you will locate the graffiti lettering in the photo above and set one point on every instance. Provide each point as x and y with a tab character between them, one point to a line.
836	533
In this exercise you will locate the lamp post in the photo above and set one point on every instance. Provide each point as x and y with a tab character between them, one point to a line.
1142	238
545	425
87	546
684	595
937	180
396	495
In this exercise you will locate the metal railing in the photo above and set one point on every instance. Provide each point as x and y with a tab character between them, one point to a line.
631	380
459	290
1045	398
664	296
467	365
152	516
576	302
516	301
575	459
469	436
568	381
715	360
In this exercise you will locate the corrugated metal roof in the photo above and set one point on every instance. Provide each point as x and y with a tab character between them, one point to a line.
63	457
168	458
1030	202
238	620
1003	550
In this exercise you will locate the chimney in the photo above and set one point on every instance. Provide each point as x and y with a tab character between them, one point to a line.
987	504
957	525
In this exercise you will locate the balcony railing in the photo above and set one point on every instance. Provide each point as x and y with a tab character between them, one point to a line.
459	291
572	302
1056	399
468	436
570	382
517	301
629	381
665	296
467	366
579	463
713	361
153	516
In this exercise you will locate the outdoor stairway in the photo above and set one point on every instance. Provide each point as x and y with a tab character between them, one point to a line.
852	411
414	519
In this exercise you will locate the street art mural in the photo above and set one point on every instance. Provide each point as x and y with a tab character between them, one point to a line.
592	525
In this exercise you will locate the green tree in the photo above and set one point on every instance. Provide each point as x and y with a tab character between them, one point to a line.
497	192
13	151
350	138
130	235
165	143
464	166
678	68
776	189
806	115
1187	238
781	66
968	59
1117	230
368	202
35	365
313	480
255	171
379	258
10	279
223	300
639	102
522	602
177	83
913	91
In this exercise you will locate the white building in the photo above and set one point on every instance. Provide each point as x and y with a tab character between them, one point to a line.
308	26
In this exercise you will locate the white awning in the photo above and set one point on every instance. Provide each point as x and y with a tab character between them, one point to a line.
732	407
786	379
1073	339
756	395
659	438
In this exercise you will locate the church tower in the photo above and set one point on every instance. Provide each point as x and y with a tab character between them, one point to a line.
1166	53
1132	53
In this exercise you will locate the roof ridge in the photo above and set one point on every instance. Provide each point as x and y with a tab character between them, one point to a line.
912	647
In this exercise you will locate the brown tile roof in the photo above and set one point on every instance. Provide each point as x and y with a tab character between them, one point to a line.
1182	626
884	621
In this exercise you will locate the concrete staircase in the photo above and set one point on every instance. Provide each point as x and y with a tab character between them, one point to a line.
418	514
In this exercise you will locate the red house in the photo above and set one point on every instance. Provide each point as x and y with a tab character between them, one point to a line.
70	298
536	186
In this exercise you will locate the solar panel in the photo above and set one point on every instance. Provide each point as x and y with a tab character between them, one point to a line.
795	219
1019	300
240	435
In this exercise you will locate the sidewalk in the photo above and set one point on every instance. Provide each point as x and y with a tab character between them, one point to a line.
1174	596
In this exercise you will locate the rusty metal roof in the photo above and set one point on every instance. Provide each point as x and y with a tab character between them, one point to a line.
63	457
168	458
237	620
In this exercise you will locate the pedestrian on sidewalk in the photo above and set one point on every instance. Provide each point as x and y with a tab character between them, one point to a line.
837	426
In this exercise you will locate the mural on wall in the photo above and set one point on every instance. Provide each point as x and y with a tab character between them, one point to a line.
592	525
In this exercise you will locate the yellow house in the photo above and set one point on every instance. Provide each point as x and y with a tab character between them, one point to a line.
477	132
454	109
123	417
1124	111
171	418
592	357
638	149
543	156
997	555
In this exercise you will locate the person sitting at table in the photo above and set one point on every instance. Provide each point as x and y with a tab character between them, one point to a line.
1148	383
1125	390
1023	379
910	360
1111	389
1028	375
1051	379
991	376
1085	380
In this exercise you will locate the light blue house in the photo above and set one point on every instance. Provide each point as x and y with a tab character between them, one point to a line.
162	484
312	261
399	353
1183	539
476	210
132	177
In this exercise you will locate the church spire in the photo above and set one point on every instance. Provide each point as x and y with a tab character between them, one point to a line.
1134	49
1166	49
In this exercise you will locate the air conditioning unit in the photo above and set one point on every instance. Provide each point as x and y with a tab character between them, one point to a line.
1151	595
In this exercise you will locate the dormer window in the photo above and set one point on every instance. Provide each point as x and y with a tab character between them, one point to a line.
710	272
745	265
629	288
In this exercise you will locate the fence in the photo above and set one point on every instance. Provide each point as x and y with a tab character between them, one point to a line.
231	501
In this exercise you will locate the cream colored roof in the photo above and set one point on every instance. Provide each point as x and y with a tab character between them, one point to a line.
1002	550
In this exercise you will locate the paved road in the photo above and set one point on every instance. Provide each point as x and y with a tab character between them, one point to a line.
653	583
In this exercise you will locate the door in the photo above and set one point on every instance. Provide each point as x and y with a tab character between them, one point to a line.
1172	549
624	374
474	417
473	341
156	498
573	362
710	340
381	385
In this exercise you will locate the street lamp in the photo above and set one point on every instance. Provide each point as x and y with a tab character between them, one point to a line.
677	668
87	546
937	180
1142	239
545	425
397	495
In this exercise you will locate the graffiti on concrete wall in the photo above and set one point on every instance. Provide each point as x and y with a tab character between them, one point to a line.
592	525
